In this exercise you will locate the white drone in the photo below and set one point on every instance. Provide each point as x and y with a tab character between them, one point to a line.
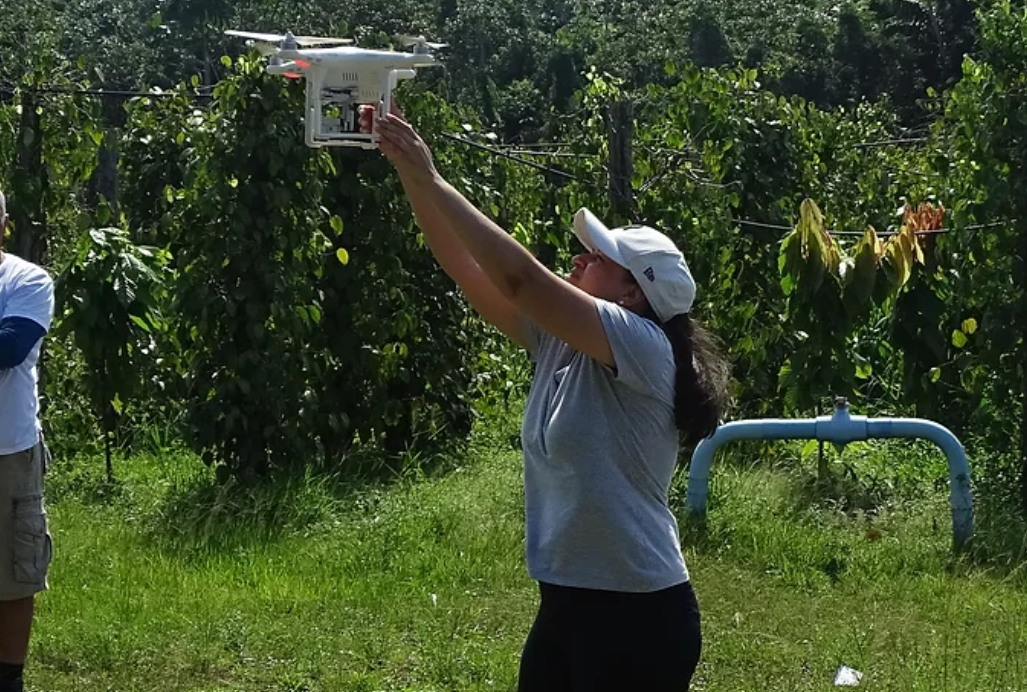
352	83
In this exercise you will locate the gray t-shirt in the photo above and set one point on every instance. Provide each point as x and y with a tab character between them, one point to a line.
600	449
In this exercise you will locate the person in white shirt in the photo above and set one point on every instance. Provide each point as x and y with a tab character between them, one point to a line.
26	311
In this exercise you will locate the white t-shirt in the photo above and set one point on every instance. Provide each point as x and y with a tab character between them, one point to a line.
26	291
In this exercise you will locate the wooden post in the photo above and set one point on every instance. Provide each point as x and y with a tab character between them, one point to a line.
1023	373
103	184
28	187
620	118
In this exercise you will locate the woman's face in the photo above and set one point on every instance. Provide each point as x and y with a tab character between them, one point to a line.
601	277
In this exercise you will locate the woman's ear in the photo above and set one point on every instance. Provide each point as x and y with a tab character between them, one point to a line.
634	299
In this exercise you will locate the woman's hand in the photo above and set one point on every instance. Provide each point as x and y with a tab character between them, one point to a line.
405	149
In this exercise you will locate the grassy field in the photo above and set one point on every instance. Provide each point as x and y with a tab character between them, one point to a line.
170	584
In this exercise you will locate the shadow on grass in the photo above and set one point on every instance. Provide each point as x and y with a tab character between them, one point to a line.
204	515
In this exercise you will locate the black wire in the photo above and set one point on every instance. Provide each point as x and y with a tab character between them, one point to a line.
531	164
936	231
90	92
746	222
526	162
887	142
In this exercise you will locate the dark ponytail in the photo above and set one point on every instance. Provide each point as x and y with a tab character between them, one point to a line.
702	378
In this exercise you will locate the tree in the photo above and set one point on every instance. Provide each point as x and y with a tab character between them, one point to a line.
859	70
708	47
109	300
988	126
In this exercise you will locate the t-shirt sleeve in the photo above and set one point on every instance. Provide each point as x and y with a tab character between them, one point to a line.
642	354
536	338
32	299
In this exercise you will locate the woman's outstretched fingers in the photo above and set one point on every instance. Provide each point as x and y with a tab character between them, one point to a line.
385	125
388	130
400	137
388	141
399	128
404	148
395	150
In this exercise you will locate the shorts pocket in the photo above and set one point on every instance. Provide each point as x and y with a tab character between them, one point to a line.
33	545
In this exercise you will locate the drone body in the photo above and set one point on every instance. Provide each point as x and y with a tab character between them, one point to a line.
345	85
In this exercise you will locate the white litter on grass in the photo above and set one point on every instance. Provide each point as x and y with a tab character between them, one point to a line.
434	600
848	677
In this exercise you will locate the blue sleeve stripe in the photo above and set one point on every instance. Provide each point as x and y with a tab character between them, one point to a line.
18	335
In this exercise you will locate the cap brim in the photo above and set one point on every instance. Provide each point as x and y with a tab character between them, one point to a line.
595	236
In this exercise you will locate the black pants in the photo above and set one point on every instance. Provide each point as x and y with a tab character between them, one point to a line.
603	641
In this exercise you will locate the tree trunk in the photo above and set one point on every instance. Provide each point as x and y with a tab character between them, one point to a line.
622	197
107	417
103	184
1023	367
28	188
107	450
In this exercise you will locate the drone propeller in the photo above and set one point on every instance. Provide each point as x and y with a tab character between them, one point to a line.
285	39
418	42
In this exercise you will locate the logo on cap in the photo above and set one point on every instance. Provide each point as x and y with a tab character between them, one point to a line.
650	274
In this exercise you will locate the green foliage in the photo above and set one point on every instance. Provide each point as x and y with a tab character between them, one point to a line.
237	200
305	316
308	314
986	279
512	61
109	300
716	147
407	336
895	51
833	293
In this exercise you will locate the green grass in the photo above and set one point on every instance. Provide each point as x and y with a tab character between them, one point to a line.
169	583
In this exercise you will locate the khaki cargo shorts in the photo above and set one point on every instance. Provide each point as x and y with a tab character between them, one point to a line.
26	546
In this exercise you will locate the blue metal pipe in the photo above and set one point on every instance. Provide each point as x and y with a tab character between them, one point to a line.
841	428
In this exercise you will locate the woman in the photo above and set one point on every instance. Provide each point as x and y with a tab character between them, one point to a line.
622	373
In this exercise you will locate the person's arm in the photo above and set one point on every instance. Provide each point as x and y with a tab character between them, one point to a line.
561	309
459	265
18	336
552	303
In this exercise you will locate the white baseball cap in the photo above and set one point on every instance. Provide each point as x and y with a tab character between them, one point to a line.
651	257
